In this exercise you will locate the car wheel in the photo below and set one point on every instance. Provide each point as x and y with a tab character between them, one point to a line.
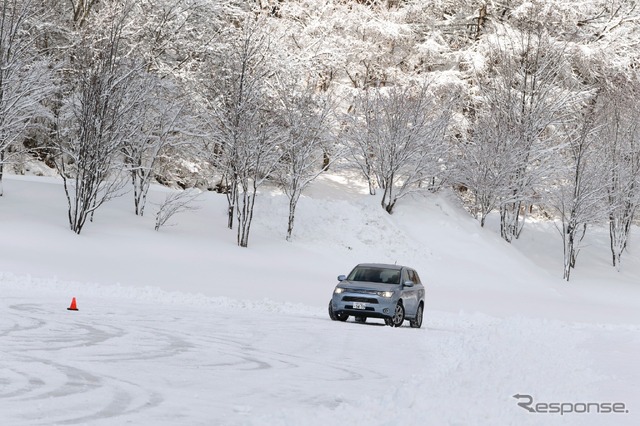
417	321
398	316
361	319
332	314
337	316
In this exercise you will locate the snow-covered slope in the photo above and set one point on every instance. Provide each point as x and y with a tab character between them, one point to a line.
181	326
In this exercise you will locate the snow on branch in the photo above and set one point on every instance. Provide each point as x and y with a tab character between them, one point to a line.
174	203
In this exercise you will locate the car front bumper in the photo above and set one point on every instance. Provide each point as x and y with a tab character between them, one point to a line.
367	305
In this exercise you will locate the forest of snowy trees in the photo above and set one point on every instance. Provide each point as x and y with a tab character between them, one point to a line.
519	106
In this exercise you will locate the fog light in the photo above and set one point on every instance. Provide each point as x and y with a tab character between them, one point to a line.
385	311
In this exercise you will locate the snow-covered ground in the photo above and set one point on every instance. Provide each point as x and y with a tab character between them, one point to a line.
181	326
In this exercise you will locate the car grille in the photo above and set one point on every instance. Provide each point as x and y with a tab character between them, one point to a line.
363	291
359	299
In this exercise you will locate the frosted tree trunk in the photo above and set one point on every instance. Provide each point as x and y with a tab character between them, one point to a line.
232	202
246	202
619	230
573	235
511	220
1	173
292	215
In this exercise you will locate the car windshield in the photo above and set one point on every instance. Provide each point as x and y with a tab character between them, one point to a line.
375	275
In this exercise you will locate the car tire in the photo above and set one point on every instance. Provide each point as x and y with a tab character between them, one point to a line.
361	319
417	321
337	316
398	316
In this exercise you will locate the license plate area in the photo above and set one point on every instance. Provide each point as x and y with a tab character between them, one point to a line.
359	305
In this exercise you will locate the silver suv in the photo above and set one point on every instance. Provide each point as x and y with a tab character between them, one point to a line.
373	290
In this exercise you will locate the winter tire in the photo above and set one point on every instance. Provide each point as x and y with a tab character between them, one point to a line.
337	316
417	321
398	316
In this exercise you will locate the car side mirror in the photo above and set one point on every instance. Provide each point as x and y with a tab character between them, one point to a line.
408	283
342	277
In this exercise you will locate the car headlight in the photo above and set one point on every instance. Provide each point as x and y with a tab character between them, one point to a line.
385	294
338	290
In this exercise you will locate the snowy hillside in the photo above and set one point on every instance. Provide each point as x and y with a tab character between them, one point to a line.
182	326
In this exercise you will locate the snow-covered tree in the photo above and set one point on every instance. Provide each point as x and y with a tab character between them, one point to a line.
524	91
351	44
174	203
166	122
245	132
580	190
81	10
396	137
99	115
173	36
25	76
620	133
305	115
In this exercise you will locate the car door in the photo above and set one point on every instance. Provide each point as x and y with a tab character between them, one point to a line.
419	288
409	294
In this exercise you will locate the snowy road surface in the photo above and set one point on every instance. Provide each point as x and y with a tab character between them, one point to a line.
164	348
143	356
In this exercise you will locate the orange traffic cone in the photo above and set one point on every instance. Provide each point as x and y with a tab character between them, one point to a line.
73	306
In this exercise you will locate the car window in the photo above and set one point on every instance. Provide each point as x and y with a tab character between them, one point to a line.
390	276
364	274
413	276
375	275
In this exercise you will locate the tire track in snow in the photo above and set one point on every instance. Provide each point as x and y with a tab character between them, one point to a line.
52	378
58	335
20	322
247	351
